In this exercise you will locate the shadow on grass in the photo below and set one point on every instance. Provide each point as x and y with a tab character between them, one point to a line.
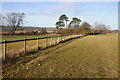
32	54
12	63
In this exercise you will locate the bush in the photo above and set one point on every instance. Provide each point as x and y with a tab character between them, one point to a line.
30	32
42	32
68	31
76	30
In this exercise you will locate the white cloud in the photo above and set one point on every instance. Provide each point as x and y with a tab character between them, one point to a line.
52	10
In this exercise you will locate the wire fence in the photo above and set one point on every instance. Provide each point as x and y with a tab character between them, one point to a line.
15	48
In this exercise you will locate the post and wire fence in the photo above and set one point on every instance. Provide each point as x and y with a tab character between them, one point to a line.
15	48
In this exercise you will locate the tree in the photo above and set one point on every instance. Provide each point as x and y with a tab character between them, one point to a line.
101	28
59	24
85	28
64	18
14	20
74	23
2	18
71	24
76	30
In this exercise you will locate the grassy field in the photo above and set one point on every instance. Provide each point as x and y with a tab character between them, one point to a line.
16	37
94	56
18	47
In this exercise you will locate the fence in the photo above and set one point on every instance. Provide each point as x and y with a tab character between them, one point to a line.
45	42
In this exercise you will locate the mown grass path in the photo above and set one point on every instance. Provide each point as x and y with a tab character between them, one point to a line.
90	56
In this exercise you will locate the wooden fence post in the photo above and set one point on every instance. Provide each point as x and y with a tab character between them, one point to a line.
46	42
68	37
37	43
63	38
4	53
25	46
51	41
58	39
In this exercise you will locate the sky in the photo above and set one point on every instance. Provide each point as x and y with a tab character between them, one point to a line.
60	0
46	14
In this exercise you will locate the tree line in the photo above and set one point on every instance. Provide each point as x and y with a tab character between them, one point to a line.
74	26
63	26
13	21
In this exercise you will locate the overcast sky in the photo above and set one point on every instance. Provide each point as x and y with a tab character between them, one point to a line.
45	14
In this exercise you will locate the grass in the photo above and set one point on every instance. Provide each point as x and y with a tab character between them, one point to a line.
16	37
18	47
94	56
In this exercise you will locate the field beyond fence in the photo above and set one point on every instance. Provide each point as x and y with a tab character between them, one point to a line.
91	56
15	48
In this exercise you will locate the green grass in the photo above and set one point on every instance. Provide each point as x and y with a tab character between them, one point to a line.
18	47
16	37
86	57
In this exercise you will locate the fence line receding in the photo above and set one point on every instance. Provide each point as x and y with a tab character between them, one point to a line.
15	48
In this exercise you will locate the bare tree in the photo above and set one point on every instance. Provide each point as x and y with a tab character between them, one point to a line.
101	28
14	20
85	27
2	20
